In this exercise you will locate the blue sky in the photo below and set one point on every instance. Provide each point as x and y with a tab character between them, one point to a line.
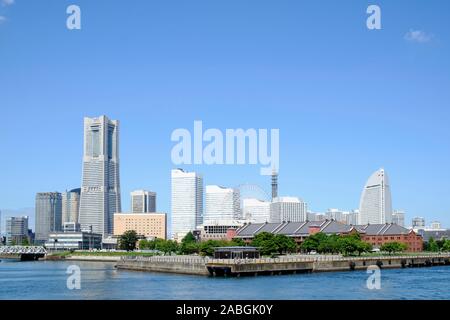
347	100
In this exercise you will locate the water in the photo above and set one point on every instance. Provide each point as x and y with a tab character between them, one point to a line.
47	280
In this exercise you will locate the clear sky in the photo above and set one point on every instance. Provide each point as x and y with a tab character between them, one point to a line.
347	100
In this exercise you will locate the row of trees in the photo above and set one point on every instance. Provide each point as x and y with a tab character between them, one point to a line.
268	243
345	244
437	245
188	245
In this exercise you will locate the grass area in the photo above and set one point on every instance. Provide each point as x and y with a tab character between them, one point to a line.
102	254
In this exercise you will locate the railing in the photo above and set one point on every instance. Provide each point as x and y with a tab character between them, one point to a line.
292	259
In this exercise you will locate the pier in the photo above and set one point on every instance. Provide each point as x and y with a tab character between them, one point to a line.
275	266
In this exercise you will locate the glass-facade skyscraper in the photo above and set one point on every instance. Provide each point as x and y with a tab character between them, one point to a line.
100	191
48	214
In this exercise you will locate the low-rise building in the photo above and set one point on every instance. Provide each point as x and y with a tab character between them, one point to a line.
149	225
376	235
73	241
379	234
219	230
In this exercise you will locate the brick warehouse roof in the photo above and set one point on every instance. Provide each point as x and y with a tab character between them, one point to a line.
327	226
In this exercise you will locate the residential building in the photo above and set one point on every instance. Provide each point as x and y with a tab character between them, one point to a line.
148	225
100	192
48	214
143	201
376	203
186	202
291	209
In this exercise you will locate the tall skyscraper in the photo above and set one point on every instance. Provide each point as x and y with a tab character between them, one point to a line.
221	204
143	201
288	209
100	191
398	217
16	230
255	210
187	202
71	206
48	214
376	203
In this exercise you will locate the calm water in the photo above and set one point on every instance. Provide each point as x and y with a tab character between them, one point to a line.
47	280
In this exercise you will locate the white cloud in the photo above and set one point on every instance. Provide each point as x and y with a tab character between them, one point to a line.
418	36
7	2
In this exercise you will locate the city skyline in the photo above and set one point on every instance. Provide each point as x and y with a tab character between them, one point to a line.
344	105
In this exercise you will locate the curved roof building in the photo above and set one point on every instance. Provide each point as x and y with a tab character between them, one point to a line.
375	206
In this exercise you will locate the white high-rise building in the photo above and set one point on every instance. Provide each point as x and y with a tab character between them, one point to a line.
143	201
100	191
398	217
70	206
376	203
255	210
221	204
286	209
187	202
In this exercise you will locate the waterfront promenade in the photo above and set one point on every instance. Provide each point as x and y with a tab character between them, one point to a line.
271	266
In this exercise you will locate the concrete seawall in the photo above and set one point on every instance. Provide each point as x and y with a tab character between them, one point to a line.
182	265
284	265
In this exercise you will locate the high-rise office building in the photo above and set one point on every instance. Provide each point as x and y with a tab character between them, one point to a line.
143	201
418	223
48	216
16	230
255	210
376	203
186	202
221	204
398	217
288	209
274	184
70	206
100	191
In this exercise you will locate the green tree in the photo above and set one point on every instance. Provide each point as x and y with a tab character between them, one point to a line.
127	241
265	241
392	247
188	238
237	242
432	245
25	242
446	246
313	242
285	243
